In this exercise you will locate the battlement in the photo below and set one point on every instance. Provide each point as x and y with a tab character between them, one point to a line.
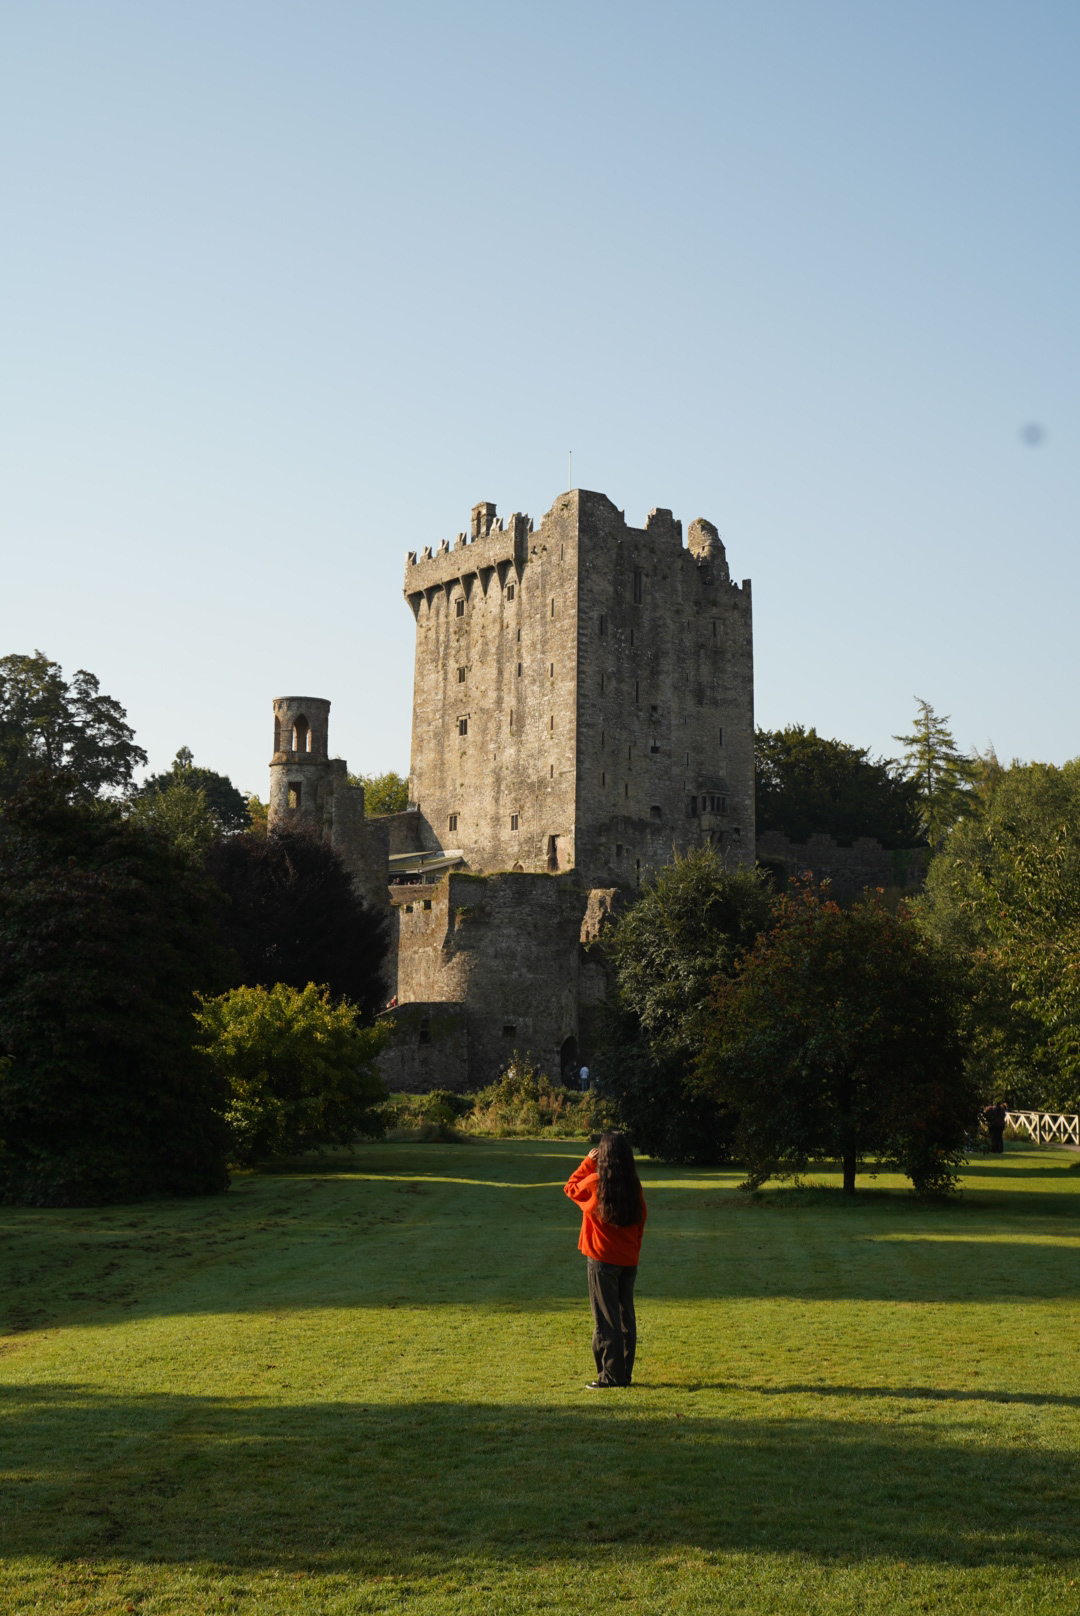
488	545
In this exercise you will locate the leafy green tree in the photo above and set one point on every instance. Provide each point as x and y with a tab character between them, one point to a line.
1003	896
182	815
219	794
292	914
689	926
300	1070
942	775
383	793
49	725
839	1037
806	784
106	934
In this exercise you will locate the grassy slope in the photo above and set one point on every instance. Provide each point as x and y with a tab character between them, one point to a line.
364	1392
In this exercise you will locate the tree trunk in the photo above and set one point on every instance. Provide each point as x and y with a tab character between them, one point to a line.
849	1172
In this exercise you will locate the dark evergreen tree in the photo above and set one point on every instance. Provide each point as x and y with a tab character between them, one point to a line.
106	934
292	914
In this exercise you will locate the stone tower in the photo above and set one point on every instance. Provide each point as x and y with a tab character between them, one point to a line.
583	694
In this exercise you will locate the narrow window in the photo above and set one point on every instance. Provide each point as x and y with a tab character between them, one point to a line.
721	735
723	805
451	823
630	754
626	789
294	794
618	850
637	690
461	608
551	671
601	740
603	778
277	733
509	591
513	821
519	670
461	676
551	772
519	636
553	605
687	763
553	852
637	872
714	628
551	723
639	586
425	1025
601	684
603	625
300	736
691	808
631	637
463	726
511	720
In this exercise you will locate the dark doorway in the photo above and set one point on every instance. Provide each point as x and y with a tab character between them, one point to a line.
568	1058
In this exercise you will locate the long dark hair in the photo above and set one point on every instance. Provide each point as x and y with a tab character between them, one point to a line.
618	1193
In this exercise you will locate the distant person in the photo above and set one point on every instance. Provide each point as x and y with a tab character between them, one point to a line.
607	1189
583	1078
995	1126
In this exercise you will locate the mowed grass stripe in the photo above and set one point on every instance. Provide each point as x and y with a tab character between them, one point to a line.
363	1387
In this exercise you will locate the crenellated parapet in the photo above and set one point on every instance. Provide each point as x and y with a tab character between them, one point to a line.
489	547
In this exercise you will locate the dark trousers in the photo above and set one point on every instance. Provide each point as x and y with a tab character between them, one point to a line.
614	1342
997	1141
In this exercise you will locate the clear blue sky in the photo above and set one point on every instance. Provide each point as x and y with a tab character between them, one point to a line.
285	289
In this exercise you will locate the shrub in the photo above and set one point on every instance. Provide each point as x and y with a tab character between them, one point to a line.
524	1101
106	933
299	1069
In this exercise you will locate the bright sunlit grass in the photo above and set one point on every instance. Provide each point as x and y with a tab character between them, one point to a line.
363	1390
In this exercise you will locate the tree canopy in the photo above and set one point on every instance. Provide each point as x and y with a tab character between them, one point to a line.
383	793
690	924
942	775
1003	895
49	725
806	784
292	914
219	794
106	934
838	1036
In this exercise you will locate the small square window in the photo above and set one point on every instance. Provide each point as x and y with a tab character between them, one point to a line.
461	676
452	822
408	908
461	608
656	812
427	903
655	747
654	709
509	1029
463	726
513	821
510	591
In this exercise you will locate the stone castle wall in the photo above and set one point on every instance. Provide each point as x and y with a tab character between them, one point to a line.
848	869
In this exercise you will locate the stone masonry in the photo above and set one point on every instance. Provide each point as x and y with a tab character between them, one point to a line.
583	707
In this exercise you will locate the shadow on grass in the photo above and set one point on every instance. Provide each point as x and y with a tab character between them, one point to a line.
340	1486
918	1394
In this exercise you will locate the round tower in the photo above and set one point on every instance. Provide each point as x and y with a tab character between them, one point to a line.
301	784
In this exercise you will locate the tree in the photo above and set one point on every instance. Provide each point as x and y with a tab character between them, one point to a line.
50	726
106	934
942	775
383	793
806	784
690	925
300	1070
182	815
292	915
838	1036
219	794
1003	896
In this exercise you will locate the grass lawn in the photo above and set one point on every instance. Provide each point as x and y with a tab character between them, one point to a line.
363	1390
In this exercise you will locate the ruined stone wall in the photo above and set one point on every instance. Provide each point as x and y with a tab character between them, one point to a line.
848	869
428	1049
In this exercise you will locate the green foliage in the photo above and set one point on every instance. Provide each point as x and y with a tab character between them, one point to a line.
806	784
942	775
524	1101
182	815
1003	896
839	1037
220	796
260	814
383	793
300	1070
426	1118
690	925
106	932
53	727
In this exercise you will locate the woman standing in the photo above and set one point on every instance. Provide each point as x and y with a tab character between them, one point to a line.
607	1189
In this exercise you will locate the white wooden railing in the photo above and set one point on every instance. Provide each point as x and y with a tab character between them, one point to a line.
1046	1127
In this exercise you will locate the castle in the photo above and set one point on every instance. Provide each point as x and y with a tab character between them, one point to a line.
583	708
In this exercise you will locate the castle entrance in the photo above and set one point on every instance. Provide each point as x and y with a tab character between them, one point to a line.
568	1061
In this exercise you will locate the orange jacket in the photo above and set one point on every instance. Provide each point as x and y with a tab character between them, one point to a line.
606	1242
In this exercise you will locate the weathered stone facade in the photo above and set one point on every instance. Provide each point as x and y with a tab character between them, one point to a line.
849	869
583	706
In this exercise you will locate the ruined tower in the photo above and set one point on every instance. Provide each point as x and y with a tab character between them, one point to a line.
583	694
